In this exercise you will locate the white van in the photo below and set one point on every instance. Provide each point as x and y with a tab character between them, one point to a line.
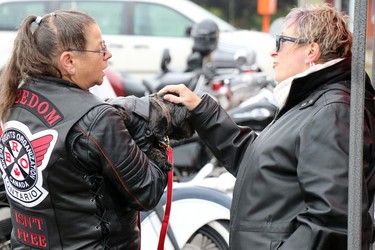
137	31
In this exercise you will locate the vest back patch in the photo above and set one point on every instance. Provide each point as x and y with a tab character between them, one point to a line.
23	157
30	230
40	106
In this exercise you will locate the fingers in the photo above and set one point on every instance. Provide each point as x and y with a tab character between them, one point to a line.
177	89
180	94
173	98
174	93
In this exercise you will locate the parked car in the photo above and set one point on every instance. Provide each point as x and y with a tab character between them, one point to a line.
137	31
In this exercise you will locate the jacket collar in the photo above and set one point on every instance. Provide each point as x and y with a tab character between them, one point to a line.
54	80
302	87
305	86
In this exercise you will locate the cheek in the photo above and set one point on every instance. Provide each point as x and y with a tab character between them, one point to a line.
289	66
97	75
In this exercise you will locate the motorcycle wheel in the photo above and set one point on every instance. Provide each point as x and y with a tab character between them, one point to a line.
210	237
5	246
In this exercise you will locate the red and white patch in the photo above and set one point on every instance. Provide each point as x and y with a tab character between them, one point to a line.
23	157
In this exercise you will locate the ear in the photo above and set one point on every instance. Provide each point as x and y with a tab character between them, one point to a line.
313	53
66	62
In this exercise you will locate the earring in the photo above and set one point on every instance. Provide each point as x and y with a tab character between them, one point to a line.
312	64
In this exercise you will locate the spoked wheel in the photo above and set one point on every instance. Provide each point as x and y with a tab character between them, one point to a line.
213	236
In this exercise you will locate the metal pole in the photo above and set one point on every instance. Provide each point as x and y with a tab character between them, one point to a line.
351	14
338	4
231	9
356	126
373	46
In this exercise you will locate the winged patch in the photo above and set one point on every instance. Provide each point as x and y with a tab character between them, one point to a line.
23	158
41	146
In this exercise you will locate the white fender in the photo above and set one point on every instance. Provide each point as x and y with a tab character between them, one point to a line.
193	214
187	216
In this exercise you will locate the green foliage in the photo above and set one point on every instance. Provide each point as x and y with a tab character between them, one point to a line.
216	11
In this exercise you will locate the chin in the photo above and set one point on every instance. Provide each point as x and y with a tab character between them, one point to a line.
280	77
99	82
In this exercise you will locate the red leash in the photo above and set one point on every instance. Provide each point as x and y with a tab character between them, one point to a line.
164	226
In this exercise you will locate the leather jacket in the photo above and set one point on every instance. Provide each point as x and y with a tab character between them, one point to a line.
291	190
87	177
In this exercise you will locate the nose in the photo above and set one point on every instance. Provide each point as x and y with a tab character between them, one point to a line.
273	52
108	55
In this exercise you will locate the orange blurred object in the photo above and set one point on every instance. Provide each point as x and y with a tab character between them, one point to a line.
267	7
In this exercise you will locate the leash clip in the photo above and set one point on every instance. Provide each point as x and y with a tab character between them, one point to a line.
166	145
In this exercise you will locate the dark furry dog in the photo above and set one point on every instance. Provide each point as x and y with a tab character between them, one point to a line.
169	119
152	121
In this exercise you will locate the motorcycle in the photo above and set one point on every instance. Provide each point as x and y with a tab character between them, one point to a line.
202	195
199	215
243	91
256	112
201	201
199	219
204	69
200	207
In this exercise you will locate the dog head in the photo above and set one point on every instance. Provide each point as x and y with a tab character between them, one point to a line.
162	118
169	119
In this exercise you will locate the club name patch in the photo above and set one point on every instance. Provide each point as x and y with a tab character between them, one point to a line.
39	106
23	157
30	230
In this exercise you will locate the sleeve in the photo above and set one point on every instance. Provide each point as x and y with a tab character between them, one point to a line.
221	134
323	166
134	112
105	145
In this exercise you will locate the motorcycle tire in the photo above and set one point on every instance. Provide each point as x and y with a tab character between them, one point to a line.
210	237
213	235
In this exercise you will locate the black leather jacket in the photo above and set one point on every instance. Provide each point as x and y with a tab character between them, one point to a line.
291	188
93	178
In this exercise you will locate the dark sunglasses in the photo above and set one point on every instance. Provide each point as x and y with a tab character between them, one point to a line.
279	39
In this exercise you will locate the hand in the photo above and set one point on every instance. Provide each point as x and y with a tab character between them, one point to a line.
181	94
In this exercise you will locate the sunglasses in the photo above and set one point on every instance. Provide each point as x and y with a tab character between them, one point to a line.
280	39
101	51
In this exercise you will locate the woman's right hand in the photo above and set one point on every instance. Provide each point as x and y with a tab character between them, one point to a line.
180	94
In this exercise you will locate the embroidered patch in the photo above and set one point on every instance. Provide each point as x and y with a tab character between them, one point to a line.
23	157
39	106
30	230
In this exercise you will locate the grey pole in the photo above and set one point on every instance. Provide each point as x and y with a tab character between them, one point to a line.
356	123
338	4
373	46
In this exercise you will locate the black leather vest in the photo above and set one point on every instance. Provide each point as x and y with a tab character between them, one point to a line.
36	169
